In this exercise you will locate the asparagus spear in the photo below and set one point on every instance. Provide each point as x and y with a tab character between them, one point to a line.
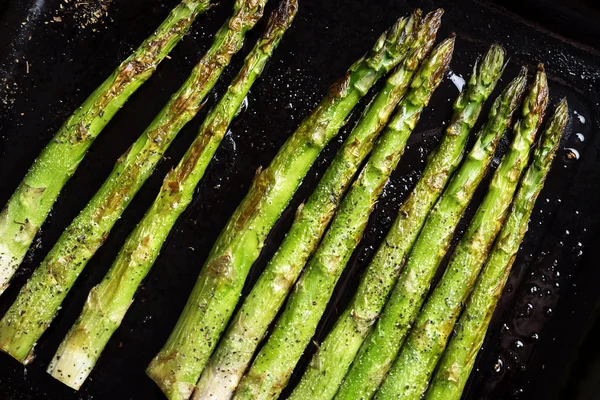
108	302
459	357
409	376
179	364
29	206
381	346
40	298
330	363
236	348
275	362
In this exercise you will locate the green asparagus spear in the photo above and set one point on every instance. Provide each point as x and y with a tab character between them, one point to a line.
381	346
275	362
459	357
410	373
330	363
41	297
179	364
29	206
108	302
236	348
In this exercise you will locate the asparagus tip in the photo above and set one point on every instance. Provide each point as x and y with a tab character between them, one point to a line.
523	72
412	25
405	27
284	15
435	14
520	83
441	55
492	65
560	117
563	108
432	21
537	99
426	35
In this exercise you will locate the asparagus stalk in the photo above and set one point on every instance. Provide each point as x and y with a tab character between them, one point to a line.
380	348
249	325
275	362
330	363
108	302
459	357
180	362
29	206
409	376
40	299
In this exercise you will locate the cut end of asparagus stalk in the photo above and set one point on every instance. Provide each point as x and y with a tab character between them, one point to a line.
166	379
8	264
81	348
72	362
33	199
11	344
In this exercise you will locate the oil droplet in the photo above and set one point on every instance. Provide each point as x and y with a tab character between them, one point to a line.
523	367
580	117
457	80
527	311
548	311
580	137
534	289
498	365
572	154
535	336
514	356
495	162
229	136
243	106
518	344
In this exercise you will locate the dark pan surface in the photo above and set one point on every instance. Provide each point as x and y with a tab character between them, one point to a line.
553	288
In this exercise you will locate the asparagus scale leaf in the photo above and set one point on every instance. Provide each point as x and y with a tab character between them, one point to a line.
333	357
275	362
409	376
40	299
33	199
249	325
212	301
383	343
108	302
459	357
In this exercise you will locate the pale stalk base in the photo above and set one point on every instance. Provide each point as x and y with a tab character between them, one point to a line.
218	384
8	267
71	365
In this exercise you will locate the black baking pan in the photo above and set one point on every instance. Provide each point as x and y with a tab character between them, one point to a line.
543	338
